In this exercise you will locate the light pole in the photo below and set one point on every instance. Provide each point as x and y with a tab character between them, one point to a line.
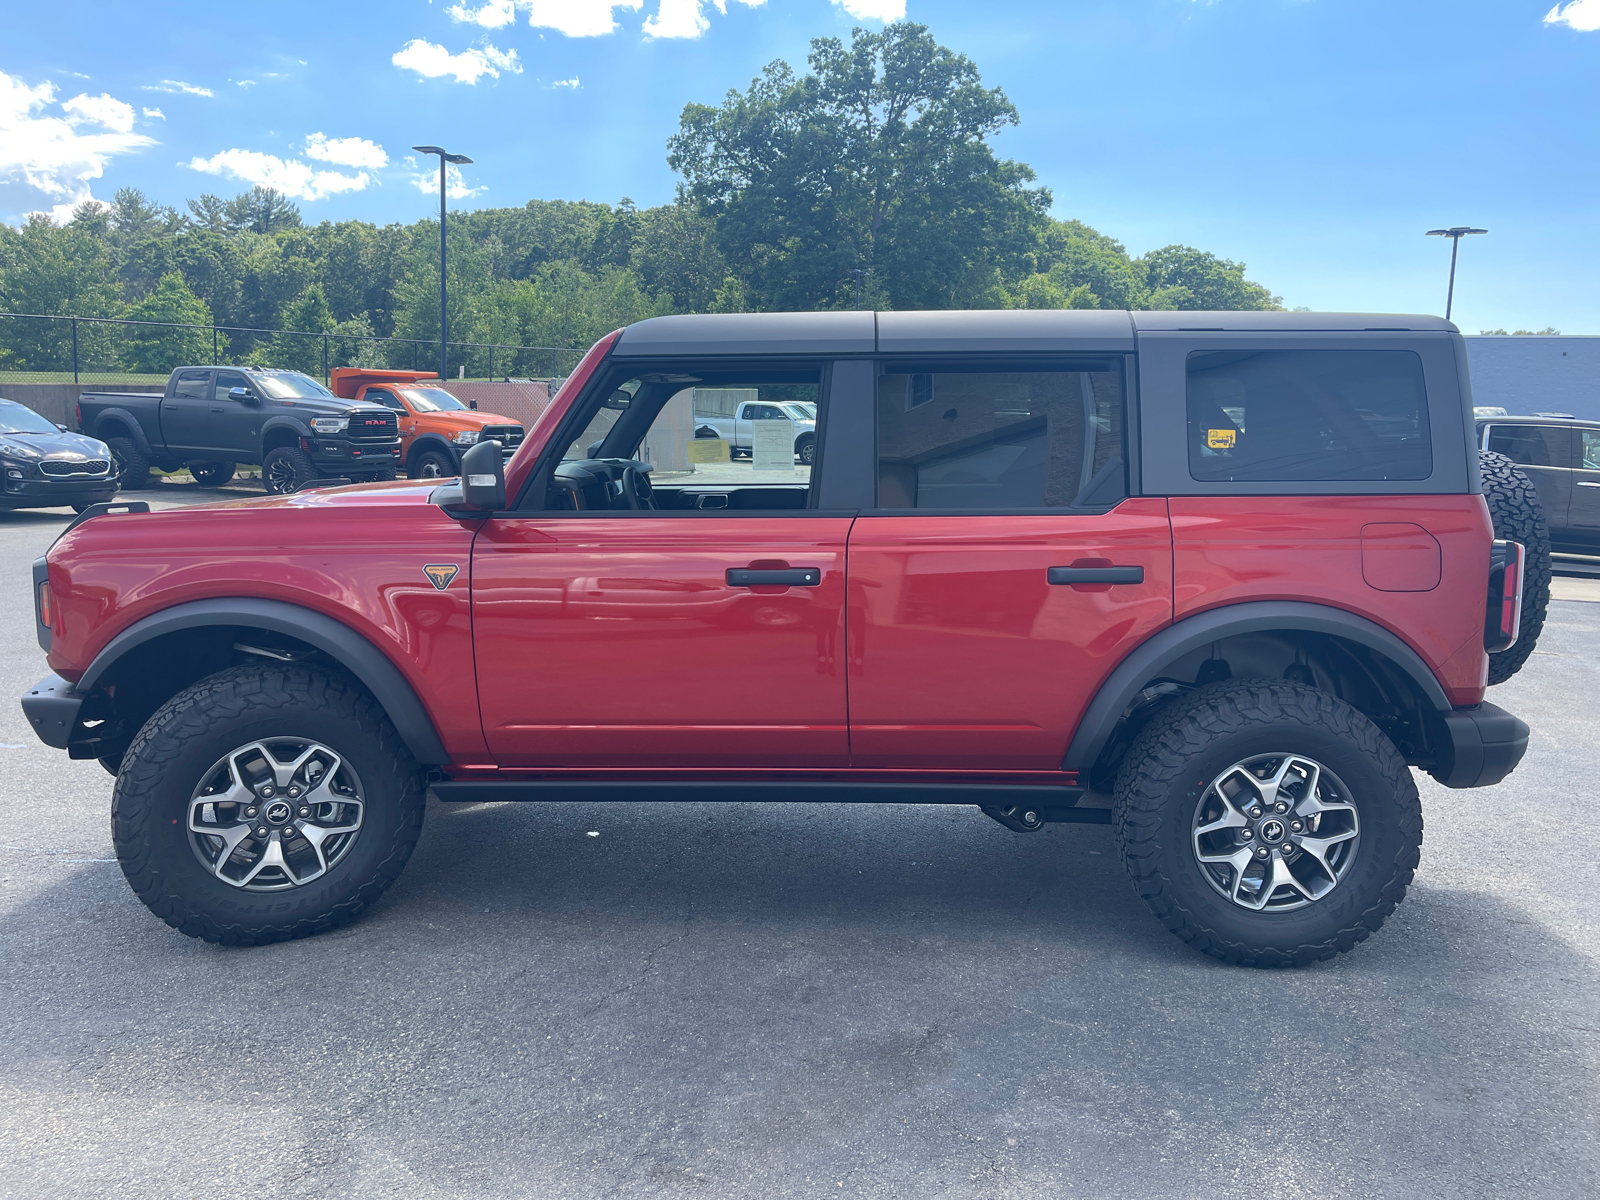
444	327
1455	233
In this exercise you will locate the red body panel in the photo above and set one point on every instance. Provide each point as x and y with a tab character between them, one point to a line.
616	641
963	656
355	555
1231	549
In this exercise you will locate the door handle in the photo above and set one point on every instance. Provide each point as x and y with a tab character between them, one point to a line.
1586	483
793	577
1096	575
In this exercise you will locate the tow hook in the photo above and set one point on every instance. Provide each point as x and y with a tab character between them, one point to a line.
1019	817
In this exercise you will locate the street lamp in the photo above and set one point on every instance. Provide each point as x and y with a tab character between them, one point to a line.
1455	233
444	330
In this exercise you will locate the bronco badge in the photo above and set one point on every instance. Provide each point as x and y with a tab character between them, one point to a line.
440	574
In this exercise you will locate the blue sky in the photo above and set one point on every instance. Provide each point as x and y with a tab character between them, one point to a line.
1315	140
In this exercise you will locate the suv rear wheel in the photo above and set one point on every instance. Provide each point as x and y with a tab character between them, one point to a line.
264	803
1267	823
1518	517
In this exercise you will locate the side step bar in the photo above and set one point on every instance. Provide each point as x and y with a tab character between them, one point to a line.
1048	797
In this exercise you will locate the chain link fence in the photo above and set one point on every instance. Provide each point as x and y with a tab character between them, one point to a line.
99	351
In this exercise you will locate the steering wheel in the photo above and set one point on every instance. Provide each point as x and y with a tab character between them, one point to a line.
636	489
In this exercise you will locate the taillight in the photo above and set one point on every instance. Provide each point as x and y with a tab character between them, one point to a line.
1503	620
44	606
77	415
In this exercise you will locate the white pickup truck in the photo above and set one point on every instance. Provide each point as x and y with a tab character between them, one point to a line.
736	429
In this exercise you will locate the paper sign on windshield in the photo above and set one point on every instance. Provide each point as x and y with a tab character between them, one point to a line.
708	450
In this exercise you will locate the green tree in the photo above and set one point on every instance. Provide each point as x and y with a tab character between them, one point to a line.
1183	277
878	160
155	350
308	313
58	270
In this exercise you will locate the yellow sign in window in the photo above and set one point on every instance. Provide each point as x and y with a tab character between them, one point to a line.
1221	439
708	450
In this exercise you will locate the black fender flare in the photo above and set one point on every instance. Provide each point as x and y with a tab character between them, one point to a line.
135	429
432	441
338	641
1191	633
272	424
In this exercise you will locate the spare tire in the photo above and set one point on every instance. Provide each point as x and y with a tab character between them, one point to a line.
1518	517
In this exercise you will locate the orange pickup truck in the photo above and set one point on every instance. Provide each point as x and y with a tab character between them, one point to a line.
435	427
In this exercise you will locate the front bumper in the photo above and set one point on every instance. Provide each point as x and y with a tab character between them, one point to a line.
334	456
1481	746
57	493
51	706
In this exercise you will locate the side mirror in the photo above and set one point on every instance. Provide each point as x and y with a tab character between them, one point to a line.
62	427
472	404
243	395
593	450
483	477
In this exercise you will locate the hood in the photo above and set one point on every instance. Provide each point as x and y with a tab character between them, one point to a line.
474	419
399	493
34	446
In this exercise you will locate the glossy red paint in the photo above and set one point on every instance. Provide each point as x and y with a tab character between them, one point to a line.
963	656
616	641
1232	549
533	441
355	554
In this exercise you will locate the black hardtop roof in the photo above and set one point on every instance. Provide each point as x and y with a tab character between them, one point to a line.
980	331
1517	419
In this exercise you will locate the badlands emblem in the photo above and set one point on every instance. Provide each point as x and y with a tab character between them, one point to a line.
440	574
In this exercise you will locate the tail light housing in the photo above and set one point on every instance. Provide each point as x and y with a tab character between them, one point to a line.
43	606
1503	619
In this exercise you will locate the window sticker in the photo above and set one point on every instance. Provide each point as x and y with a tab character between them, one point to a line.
708	450
1221	439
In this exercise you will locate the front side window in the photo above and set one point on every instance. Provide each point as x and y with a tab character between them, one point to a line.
227	381
1591	450
975	439
387	399
1534	445
1286	416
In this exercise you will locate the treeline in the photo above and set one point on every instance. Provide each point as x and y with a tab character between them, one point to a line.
869	180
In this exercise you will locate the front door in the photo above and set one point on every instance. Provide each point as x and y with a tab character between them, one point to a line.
1583	510
1000	580
186	413
236	424
623	628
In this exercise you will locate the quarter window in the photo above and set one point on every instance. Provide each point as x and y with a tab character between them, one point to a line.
976	439
1307	415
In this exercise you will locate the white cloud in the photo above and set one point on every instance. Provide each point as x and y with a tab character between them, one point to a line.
874	10
61	155
154	114
577	18
99	110
1582	15
455	187
566	83
676	19
346	152
291	177
469	66
177	87
493	14
245	83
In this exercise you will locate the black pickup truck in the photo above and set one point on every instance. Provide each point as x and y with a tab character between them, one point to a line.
211	419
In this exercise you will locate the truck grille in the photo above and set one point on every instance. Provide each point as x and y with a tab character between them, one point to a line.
373	425
61	467
509	436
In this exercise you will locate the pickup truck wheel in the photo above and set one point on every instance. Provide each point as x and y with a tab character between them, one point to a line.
263	803
212	474
287	469
1519	517
133	468
432	464
806	451
1267	823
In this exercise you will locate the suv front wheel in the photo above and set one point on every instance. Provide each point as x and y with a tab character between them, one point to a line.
264	803
1267	823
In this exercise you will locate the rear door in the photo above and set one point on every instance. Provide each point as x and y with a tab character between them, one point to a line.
186	413
1583	510
1548	455
1004	573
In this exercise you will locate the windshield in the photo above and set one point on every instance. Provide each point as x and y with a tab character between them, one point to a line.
16	418
801	412
432	400
287	385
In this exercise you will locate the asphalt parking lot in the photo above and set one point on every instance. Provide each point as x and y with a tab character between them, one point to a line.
581	1000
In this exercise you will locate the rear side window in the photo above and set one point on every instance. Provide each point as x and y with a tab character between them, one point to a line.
192	385
1533	445
1291	415
1002	438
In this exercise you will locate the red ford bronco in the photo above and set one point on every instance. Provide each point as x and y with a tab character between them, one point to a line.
1220	579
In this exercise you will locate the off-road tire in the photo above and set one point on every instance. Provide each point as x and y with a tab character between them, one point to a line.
133	467
387	475
177	747
1173	762
1519	517
440	463
213	475
286	470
